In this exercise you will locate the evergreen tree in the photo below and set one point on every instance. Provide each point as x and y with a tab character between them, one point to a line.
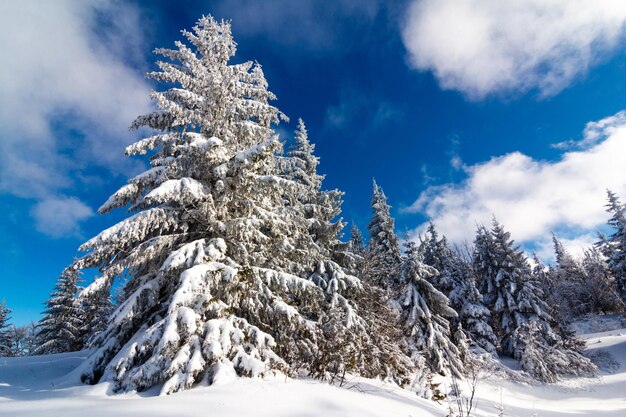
455	278
563	286
5	331
383	256
438	254
226	272
580	287
474	317
352	255
96	308
520	316
614	247
319	207
357	244
599	285
426	316
60	328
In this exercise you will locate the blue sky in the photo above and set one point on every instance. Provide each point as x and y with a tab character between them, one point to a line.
461	109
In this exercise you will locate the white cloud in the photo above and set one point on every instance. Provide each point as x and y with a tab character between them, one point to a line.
60	217
67	91
576	246
533	197
485	47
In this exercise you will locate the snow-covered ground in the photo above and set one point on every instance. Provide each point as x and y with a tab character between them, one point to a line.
45	386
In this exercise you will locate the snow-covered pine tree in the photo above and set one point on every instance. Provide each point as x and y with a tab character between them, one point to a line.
97	307
438	254
614	247
517	308
357	244
352	255
426	315
5	331
216	254
561	293
599	284
580	287
509	290
60	328
320	208
561	285
565	286
383	251
545	355
455	278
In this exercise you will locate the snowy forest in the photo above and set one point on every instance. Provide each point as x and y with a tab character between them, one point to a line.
235	261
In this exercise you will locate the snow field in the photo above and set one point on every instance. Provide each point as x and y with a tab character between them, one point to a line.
46	386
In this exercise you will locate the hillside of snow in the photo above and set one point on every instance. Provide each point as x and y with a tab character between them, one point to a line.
46	386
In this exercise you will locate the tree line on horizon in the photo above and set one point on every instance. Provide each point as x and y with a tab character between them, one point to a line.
232	262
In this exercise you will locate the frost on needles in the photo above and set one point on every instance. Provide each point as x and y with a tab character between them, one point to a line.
230	255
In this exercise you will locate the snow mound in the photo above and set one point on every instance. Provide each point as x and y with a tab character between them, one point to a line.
41	385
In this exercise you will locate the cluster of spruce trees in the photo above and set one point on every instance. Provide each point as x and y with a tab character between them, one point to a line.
232	262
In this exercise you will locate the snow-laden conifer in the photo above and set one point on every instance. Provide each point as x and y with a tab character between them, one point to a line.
436	252
357	244
546	356
518	309
383	251
506	283
60	329
564	286
599	285
581	286
226	276
426	316
320	208
96	309
5	331
455	278
614	247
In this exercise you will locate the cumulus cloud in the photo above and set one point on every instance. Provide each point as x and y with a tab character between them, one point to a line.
60	217
67	92
575	246
486	47
69	89
533	197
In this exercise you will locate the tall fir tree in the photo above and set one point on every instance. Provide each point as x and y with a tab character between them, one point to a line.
438	254
383	251
226	276
599	285
5	331
614	247
455	278
357	244
60	328
520	316
320	208
562	284
426	316
584	286
507	285
97	307
353	255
